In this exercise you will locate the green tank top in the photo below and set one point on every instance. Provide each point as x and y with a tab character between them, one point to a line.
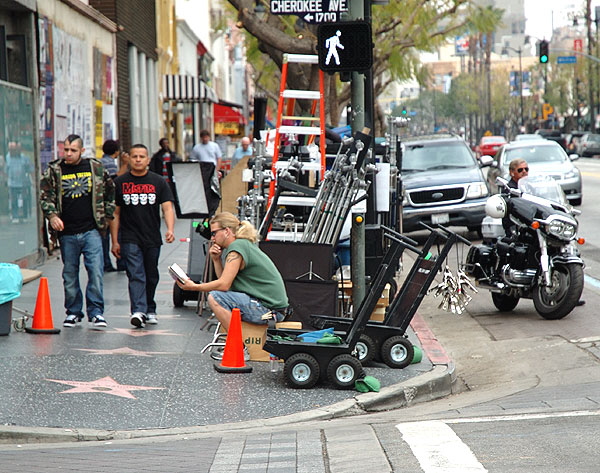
260	278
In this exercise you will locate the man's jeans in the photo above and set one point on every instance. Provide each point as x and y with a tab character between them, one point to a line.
88	244
142	272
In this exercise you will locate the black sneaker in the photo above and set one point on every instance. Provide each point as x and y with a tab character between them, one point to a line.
138	319
72	320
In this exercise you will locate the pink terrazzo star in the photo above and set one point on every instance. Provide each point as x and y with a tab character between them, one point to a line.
105	385
124	351
136	332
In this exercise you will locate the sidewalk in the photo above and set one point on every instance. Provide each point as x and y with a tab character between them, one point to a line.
85	384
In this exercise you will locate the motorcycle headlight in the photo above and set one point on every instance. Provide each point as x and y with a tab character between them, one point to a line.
561	229
476	190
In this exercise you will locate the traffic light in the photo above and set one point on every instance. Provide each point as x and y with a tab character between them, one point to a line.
404	112
345	46
544	51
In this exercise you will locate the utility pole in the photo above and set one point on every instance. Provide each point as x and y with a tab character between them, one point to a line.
521	86
590	38
357	87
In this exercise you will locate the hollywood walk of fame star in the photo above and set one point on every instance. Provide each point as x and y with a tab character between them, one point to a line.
136	332
124	351
105	385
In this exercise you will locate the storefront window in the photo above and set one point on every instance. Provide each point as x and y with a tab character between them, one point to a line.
18	177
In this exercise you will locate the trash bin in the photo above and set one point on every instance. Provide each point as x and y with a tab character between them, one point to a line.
11	281
5	318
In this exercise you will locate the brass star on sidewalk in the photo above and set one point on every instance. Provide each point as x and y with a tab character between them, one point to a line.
136	332
105	385
124	351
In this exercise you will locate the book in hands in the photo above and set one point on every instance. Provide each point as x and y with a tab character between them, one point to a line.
177	273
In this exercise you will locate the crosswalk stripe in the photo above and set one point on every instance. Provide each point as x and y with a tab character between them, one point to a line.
438	449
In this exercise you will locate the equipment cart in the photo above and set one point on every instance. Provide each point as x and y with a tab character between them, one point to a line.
386	341
306	362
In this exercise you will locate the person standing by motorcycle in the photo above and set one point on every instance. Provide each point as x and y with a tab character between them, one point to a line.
517	169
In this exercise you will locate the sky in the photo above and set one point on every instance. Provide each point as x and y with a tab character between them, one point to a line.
542	14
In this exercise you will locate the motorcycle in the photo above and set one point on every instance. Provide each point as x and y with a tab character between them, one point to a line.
529	249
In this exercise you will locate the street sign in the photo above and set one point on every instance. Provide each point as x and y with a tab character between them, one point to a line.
547	111
566	59
311	11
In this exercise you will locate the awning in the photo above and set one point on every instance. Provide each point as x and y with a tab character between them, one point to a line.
184	88
225	112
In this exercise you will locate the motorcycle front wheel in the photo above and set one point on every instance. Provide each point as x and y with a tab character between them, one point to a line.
556	301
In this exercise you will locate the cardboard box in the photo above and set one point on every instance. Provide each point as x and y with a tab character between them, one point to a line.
254	336
378	314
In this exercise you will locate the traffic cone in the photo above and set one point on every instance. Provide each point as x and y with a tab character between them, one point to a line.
42	316
233	355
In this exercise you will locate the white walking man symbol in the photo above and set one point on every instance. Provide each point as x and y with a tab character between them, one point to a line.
332	44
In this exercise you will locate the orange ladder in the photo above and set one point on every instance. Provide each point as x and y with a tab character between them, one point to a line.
287	98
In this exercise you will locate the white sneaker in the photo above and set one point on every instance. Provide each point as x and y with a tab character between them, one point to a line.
138	319
151	319
98	322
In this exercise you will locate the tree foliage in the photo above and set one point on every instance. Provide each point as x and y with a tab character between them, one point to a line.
401	30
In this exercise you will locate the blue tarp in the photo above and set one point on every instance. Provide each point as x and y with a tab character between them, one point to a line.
11	282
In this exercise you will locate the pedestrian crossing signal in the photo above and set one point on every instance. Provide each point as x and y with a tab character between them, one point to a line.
345	46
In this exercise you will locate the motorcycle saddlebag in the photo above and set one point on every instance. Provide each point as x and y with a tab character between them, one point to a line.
482	254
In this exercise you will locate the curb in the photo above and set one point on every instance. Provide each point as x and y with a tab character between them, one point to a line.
434	384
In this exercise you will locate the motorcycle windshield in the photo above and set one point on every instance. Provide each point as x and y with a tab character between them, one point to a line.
544	187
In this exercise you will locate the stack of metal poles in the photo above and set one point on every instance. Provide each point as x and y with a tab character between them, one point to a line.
337	193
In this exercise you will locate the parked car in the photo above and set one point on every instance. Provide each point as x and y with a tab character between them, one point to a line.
544	157
488	145
527	136
443	183
553	135
589	145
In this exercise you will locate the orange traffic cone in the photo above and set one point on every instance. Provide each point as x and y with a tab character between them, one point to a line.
42	316
233	355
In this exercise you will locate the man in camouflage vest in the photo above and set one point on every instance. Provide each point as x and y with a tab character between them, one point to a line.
77	197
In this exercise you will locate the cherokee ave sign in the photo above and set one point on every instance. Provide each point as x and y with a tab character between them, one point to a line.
311	11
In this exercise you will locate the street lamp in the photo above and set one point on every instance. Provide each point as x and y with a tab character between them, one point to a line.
519	52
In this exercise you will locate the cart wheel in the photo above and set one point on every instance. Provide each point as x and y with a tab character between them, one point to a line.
397	352
343	370
301	370
178	296
365	349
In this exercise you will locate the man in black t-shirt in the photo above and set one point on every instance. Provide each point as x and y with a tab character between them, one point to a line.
77	198
140	196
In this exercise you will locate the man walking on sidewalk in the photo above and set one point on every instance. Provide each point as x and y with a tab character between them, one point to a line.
140	196
77	197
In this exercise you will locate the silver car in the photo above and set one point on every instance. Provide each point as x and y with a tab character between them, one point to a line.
544	158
